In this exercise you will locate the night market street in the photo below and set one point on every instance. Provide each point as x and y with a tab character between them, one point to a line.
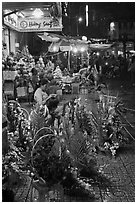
120	170
68	101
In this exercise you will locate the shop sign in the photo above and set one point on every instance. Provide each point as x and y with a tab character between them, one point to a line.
44	24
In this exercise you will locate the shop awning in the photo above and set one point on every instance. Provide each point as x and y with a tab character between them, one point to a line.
63	43
98	46
52	37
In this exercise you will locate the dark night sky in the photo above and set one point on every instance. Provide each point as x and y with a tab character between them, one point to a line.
123	10
100	16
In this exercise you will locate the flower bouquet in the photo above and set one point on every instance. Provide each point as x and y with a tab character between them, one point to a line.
111	133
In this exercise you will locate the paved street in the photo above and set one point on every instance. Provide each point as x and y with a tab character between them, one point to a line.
120	170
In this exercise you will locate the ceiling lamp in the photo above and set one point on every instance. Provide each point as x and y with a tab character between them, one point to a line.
37	13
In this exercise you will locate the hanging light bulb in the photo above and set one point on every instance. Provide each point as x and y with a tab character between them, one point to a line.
55	49
38	13
82	49
75	50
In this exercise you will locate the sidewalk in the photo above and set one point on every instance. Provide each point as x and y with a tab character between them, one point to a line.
120	170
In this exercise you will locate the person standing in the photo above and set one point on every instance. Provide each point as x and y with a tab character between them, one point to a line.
34	79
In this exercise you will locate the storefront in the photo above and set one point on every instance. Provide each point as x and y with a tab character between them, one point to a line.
16	25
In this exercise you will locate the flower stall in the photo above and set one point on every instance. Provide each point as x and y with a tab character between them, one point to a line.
68	150
60	156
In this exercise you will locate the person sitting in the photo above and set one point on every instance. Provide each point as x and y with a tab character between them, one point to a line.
40	95
52	104
91	75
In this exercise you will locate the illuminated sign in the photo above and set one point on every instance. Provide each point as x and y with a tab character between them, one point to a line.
44	24
50	22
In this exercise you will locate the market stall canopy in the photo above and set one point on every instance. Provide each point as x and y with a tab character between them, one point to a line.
52	37
97	46
67	46
64	43
61	45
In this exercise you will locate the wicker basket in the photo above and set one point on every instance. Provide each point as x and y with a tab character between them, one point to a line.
41	132
15	103
40	191
54	149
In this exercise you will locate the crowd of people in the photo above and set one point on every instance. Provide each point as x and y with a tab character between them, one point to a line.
32	72
43	78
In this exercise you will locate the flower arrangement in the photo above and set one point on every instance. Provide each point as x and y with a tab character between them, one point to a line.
111	134
14	162
19	125
68	156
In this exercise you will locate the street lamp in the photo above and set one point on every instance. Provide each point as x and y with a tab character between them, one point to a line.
78	20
